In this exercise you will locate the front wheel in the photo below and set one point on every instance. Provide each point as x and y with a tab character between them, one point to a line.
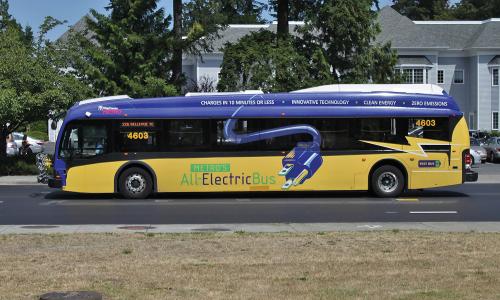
135	183
387	181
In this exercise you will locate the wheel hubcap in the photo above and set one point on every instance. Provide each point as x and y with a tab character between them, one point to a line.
387	182
136	183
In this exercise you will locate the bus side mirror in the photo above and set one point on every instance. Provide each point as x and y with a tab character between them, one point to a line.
53	125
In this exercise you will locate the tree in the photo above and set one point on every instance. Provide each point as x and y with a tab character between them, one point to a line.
32	83
423	9
214	14
341	34
202	18
242	11
282	13
336	45
262	61
296	8
476	9
177	55
130	51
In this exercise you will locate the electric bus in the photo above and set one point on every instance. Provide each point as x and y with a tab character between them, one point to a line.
383	138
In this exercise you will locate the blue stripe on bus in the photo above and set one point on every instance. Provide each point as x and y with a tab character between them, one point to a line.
273	105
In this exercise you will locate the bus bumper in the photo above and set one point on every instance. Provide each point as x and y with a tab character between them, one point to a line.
471	176
55	183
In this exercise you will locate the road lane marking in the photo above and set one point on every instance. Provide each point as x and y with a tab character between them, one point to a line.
53	202
392	212
369	226
407	199
1	202
435	212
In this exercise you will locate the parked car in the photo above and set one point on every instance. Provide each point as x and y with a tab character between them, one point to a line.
475	145
476	157
492	147
36	146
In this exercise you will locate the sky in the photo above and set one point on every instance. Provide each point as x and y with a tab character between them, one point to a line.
33	12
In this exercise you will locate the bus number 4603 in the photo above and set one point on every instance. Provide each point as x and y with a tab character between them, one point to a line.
138	135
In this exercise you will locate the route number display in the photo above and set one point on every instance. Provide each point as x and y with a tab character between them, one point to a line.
426	123
138	135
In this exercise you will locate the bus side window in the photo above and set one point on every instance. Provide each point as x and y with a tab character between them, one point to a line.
287	142
187	135
429	128
243	126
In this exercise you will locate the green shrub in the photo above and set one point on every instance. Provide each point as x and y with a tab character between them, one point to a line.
18	166
38	130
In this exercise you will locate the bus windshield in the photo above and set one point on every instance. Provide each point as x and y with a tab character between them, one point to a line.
84	141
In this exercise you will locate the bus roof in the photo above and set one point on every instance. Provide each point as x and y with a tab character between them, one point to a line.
325	101
429	89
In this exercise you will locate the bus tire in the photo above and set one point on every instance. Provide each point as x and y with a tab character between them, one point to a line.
387	181
135	183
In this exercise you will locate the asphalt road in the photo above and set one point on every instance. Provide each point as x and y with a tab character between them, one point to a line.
41	205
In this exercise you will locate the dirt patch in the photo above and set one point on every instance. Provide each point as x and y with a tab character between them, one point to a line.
359	265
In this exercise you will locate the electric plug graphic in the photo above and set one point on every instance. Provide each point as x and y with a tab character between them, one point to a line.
300	164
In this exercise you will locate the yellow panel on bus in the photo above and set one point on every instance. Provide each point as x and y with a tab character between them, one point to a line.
220	174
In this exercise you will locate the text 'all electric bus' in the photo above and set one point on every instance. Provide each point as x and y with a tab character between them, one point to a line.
382	138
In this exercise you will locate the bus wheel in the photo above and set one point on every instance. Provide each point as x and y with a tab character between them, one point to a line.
135	183
387	181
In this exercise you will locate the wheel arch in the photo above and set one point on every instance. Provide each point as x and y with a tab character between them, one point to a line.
391	162
136	164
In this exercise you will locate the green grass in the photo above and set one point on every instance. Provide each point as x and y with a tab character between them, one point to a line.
330	265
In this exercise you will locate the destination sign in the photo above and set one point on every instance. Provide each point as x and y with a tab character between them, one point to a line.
137	124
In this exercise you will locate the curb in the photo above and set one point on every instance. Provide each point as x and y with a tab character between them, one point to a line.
19	180
253	228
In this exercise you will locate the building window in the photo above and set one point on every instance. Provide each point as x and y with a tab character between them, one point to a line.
413	76
440	76
494	120
471	121
494	77
458	77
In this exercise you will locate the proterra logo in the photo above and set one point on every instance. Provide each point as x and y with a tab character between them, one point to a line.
221	174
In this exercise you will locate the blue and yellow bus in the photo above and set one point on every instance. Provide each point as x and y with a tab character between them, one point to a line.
382	138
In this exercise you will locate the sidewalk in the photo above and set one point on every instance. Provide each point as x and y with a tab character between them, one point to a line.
18	180
237	228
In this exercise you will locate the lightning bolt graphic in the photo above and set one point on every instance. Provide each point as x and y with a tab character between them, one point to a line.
414	145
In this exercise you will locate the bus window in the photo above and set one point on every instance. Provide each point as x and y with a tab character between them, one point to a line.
94	140
375	129
186	135
138	136
429	128
69	143
243	126
334	133
288	142
84	141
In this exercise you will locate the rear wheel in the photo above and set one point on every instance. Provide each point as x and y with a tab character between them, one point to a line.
135	183
387	181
